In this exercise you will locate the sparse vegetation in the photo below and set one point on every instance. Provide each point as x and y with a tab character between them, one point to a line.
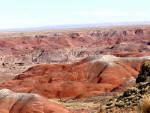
145	75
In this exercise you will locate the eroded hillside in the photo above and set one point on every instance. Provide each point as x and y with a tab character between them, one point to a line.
73	64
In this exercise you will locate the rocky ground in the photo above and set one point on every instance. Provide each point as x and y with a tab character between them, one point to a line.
130	99
80	69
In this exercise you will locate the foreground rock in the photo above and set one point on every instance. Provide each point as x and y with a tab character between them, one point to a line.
144	76
131	97
89	77
11	102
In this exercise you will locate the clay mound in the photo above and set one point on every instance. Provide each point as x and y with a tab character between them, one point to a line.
89	77
11	102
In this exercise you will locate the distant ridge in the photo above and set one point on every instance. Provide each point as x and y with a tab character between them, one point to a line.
71	26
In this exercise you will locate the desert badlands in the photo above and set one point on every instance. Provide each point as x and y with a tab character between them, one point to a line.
85	70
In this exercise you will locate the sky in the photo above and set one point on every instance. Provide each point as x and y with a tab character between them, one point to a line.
36	13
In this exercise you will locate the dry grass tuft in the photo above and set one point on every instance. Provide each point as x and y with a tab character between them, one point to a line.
145	104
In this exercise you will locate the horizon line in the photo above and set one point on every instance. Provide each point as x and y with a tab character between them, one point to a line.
72	26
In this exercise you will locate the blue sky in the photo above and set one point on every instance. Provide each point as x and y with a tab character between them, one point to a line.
34	13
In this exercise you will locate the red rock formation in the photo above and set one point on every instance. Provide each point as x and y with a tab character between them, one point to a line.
11	102
72	46
68	75
88	77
